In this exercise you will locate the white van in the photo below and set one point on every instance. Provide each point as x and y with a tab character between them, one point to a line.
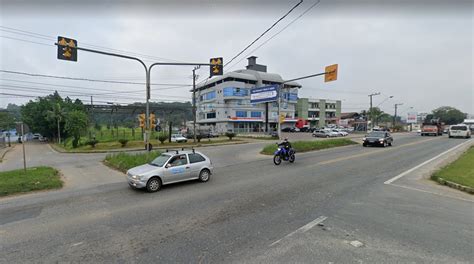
459	131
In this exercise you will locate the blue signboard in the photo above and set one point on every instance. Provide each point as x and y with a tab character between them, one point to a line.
264	94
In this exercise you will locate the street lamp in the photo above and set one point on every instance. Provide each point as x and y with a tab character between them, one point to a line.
395	115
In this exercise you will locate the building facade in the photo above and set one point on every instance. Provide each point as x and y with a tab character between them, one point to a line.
223	103
318	112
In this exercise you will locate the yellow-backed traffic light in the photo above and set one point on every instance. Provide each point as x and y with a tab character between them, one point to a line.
67	49
282	118
152	121
217	67
141	120
331	73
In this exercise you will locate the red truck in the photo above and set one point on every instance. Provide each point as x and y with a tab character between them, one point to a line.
434	127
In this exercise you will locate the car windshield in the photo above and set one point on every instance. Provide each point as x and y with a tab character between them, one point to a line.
463	128
160	160
376	134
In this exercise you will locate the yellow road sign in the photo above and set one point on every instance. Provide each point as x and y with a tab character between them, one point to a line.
331	73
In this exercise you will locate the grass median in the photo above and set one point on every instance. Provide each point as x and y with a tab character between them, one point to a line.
460	171
123	161
35	179
304	146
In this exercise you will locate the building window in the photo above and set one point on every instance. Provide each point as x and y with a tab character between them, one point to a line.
313	114
235	91
241	113
291	97
210	95
314	105
211	115
256	114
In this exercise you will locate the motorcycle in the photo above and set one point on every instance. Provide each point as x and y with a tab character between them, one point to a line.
282	154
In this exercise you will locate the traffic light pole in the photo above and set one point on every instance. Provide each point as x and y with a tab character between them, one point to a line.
281	86
147	76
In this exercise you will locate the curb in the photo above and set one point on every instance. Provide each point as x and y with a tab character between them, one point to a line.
5	153
453	185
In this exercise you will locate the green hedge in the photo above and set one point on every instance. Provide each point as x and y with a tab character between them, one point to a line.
124	161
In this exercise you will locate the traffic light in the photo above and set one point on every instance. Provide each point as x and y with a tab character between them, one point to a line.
67	49
282	118
141	120
152	121
331	73
216	66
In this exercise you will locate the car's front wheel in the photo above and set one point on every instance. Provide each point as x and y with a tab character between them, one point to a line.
204	175
153	184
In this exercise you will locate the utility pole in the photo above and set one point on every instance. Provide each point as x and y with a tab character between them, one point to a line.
370	110
194	102
395	116
92	110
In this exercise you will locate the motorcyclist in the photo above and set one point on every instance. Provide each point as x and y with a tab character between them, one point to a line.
285	144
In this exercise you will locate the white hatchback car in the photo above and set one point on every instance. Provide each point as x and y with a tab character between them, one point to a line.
459	131
178	138
170	167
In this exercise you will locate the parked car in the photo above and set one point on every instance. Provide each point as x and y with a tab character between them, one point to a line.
340	132
170	167
178	138
288	129
377	138
324	133
36	136
305	129
459	131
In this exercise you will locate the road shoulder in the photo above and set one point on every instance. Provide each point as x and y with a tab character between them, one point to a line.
418	178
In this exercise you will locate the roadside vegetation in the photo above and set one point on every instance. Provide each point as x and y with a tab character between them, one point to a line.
97	146
304	146
460	171
123	161
35	179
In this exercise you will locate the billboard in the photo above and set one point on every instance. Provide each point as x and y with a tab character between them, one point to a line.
412	117
264	94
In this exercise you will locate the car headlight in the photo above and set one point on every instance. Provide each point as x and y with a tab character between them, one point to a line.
135	177
279	148
364	139
381	140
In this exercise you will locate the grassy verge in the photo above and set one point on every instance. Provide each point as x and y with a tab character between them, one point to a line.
124	161
304	146
35	179
460	171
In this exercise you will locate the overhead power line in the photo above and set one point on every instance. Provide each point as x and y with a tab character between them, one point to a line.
265	32
276	34
53	38
90	80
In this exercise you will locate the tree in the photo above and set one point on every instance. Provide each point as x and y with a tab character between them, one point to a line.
57	114
449	115
7	121
76	123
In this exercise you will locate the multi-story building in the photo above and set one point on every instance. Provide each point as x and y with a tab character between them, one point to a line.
319	112
224	102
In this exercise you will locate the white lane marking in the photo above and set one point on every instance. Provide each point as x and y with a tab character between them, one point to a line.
302	229
77	244
436	193
424	163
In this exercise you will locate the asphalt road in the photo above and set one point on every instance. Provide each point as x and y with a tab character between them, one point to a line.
254	212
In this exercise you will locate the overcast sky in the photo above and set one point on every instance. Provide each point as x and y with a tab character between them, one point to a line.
420	52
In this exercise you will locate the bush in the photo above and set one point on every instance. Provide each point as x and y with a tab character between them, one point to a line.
123	142
230	135
162	137
198	138
92	142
